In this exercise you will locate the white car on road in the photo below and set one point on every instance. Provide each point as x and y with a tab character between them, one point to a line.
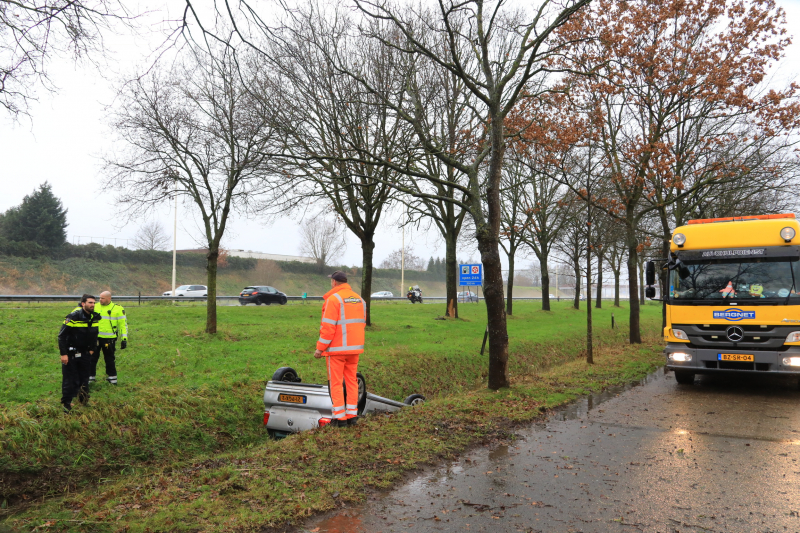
189	290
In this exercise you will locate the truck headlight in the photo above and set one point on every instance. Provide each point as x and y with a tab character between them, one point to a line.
791	361
680	239
787	234
680	334
793	337
682	357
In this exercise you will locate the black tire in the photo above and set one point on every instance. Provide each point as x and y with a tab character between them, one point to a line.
414	399
362	392
258	302
242	303
684	377
286	373
283	300
420	299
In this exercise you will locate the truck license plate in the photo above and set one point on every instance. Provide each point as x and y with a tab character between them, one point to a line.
289	398
746	357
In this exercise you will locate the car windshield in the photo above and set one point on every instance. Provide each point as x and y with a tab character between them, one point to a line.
743	280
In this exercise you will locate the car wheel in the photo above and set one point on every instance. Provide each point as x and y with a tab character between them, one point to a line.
414	399
362	392
258	302
684	378
283	300
242	303
286	373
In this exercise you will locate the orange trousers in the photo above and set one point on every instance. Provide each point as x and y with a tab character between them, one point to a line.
342	377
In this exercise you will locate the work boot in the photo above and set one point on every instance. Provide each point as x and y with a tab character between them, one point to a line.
352	421
83	397
339	423
67	408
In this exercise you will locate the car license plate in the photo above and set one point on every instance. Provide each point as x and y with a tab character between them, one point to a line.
289	398
746	357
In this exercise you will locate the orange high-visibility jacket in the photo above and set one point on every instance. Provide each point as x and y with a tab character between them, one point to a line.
343	321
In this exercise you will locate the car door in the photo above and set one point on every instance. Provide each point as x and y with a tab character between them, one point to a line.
272	295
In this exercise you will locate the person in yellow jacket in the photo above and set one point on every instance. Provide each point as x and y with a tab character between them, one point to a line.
341	341
113	326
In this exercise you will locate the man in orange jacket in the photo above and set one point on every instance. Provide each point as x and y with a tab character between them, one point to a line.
341	340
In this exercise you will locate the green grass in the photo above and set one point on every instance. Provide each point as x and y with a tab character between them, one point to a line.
183	431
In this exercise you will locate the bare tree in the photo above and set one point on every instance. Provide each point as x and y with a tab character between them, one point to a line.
197	130
323	240
396	260
151	236
31	32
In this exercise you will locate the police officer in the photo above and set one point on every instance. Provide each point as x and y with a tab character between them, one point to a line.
77	342
113	326
341	340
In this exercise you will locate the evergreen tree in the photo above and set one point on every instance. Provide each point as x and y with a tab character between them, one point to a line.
41	218
431	265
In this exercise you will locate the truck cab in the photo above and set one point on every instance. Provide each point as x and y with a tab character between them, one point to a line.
732	302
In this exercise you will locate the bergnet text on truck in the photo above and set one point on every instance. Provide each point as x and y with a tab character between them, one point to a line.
732	302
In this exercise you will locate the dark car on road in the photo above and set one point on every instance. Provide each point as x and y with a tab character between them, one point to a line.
261	294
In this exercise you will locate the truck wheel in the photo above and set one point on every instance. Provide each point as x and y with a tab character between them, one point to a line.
286	373
414	399
684	378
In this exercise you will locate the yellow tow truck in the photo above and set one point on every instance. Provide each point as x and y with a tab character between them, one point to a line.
732	301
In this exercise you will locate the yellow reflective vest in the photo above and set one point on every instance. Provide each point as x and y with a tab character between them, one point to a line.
113	322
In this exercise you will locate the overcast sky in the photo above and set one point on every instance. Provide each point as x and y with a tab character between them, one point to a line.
66	134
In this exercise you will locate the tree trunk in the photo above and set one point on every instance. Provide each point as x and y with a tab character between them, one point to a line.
488	236
589	339
211	303
495	312
633	284
367	248
616	287
599	302
577	271
511	252
451	276
545	284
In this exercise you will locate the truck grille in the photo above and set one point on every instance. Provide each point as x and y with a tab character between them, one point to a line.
755	337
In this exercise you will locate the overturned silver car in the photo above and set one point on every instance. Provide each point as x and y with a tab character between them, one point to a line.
291	406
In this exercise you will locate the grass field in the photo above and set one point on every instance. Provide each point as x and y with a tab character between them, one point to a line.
180	442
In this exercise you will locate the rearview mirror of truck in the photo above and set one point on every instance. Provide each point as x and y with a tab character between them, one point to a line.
650	292
650	274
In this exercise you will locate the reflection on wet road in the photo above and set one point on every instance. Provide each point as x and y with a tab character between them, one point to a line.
722	455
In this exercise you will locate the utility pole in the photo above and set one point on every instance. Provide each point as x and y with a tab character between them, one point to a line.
403	263
175	242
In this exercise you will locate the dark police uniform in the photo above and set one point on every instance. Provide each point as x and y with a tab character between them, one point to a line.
77	337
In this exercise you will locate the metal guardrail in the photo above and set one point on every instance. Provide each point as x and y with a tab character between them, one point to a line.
77	297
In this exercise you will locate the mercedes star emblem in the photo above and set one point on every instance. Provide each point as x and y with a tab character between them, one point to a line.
735	334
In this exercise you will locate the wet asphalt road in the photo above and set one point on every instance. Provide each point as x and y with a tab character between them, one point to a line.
722	455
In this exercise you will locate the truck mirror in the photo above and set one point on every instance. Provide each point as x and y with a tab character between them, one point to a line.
650	273
650	292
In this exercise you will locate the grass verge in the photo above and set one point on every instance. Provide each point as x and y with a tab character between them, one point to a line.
253	483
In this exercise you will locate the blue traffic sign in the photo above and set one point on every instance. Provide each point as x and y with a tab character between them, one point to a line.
470	274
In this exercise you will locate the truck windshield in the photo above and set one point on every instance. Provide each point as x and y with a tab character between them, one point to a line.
775	279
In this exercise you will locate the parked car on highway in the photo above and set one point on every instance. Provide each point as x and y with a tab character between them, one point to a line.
189	290
382	294
467	296
261	294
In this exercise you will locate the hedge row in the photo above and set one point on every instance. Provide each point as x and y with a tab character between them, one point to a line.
115	254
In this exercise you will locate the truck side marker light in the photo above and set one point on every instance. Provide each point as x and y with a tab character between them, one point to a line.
266	418
680	334
793	337
680	357
791	361
787	234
